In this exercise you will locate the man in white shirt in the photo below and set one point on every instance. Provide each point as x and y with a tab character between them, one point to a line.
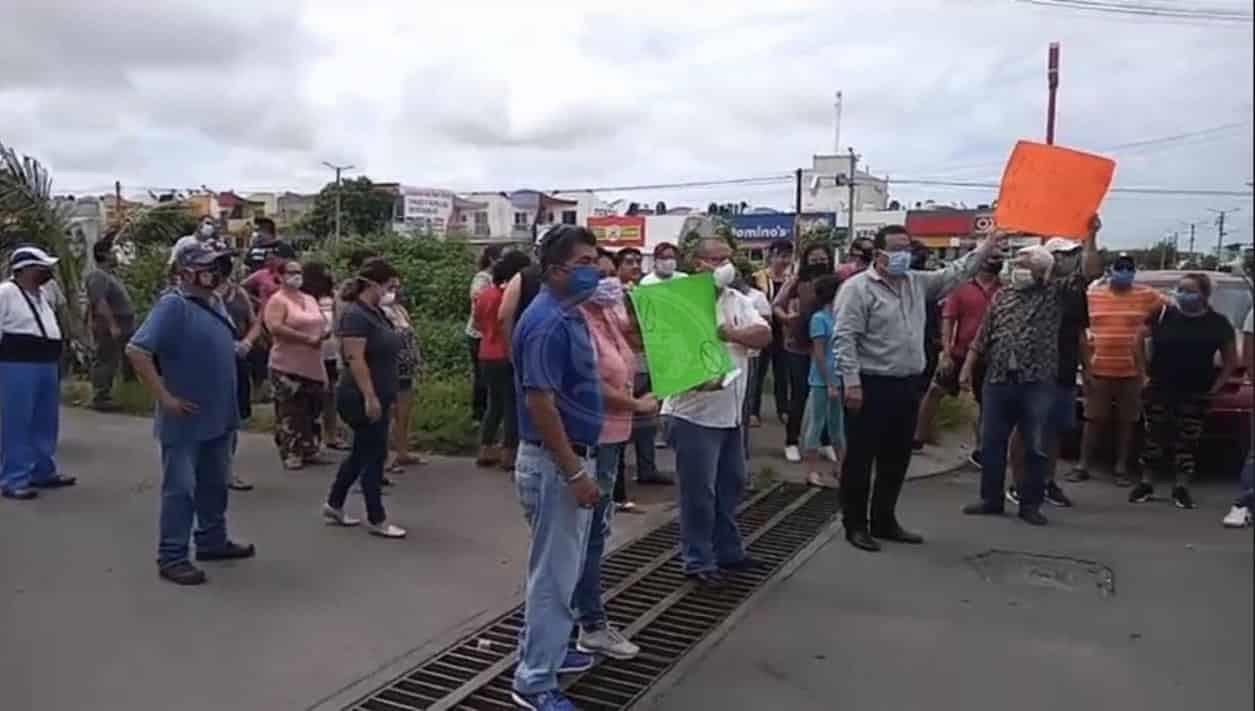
206	233
706	433
664	265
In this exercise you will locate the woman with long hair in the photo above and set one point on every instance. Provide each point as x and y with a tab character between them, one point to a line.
298	378
496	369
791	306
369	348
409	363
320	284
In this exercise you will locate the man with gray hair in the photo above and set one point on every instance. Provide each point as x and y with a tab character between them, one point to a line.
1019	342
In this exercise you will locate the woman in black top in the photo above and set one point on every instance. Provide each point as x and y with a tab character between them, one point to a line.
1184	339
369	347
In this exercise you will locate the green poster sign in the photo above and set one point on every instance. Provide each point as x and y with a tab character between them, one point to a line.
677	320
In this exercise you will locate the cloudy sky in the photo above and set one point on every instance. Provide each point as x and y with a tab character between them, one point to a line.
475	95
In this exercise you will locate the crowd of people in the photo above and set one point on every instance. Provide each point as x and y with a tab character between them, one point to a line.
859	355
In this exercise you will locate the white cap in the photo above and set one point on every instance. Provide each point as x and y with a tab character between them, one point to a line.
30	256
1059	244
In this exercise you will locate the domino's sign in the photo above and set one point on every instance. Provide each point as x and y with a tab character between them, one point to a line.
762	229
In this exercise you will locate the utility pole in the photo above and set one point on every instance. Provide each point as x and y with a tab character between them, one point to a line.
1052	82
849	234
797	211
1192	224
117	204
836	131
338	169
1220	230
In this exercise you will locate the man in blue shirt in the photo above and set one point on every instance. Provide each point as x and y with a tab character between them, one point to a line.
184	353
560	418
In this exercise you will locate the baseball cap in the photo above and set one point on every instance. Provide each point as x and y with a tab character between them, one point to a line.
1125	260
200	256
1054	245
30	256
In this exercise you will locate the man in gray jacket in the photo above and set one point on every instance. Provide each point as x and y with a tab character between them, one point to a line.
880	356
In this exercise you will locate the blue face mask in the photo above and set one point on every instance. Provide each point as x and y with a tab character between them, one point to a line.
1122	278
1191	302
582	282
899	263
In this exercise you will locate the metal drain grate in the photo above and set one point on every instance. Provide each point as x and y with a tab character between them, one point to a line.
647	596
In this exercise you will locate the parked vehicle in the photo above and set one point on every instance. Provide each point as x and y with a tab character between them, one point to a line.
1227	431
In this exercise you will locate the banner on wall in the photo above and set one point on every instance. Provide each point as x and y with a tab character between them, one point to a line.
427	208
616	231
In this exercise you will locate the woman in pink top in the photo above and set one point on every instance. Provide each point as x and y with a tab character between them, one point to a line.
297	374
617	365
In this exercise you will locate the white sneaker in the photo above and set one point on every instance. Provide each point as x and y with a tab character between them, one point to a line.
828	453
607	641
791	454
1239	517
386	530
338	517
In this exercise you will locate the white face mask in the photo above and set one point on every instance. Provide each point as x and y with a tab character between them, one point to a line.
665	267
389	298
206	230
294	281
1021	277
725	274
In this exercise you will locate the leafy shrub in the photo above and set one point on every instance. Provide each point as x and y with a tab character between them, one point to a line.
444	348
442	416
145	276
435	275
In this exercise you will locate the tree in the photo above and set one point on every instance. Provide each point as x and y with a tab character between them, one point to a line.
365	209
1163	255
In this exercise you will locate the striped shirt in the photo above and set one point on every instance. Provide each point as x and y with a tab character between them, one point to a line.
1114	319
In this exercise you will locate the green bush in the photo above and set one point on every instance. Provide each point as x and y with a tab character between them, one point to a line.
442	416
435	275
146	276
444	348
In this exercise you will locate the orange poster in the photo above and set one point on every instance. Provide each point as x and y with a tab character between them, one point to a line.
618	231
1052	191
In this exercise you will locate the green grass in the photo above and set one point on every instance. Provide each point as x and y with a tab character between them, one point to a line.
441	420
956	412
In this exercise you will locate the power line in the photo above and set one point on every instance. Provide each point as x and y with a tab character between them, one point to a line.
1179	12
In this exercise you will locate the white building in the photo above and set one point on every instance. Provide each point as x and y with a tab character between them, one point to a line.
823	192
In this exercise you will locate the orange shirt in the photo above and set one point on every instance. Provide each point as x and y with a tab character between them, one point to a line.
1114	319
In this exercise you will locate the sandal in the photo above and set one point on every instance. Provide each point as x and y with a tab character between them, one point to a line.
238	484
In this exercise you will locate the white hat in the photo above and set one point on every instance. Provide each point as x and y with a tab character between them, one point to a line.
29	256
1059	244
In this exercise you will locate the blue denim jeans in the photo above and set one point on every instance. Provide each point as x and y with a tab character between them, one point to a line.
710	467
29	419
193	488
555	560
1006	406
591	613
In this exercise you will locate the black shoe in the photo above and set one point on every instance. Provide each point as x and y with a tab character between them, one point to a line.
897	534
984	508
385	481
862	540
917	445
974	458
1141	493
1055	495
656	481
183	573
746	563
231	551
1033	518
1123	481
1181	497
23	494
57	481
709	580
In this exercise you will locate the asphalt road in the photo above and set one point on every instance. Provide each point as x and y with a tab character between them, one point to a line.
922	628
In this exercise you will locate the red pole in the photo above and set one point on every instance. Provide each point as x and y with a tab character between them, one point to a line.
1052	77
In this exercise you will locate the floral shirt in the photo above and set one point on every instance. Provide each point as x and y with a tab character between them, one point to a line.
1019	338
